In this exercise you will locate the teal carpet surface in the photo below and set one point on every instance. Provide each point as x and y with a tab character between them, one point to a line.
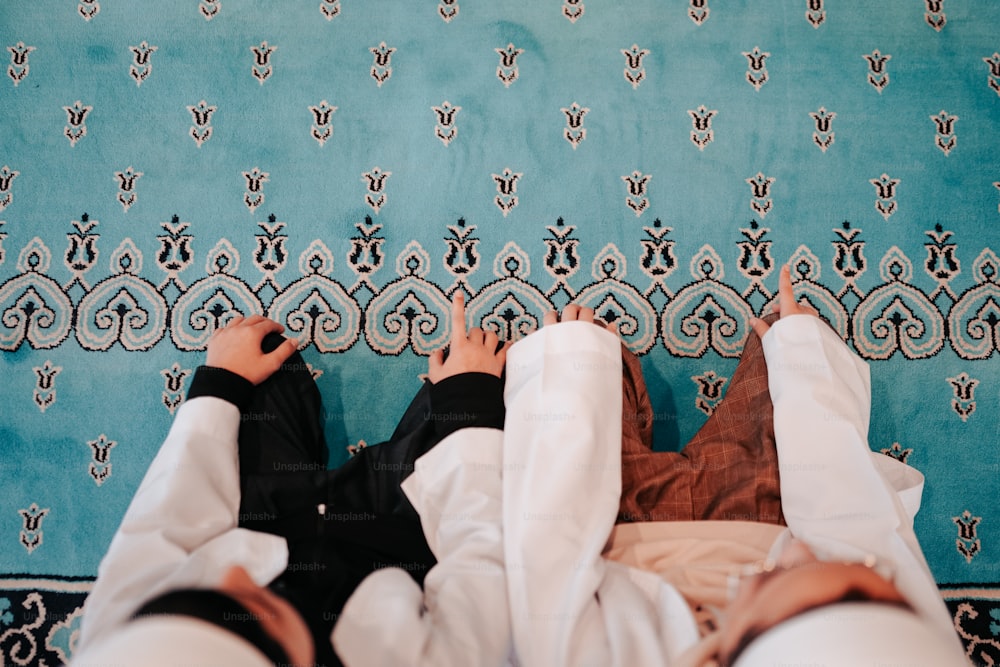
345	167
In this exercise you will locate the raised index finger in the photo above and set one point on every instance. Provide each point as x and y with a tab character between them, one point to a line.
458	317
786	297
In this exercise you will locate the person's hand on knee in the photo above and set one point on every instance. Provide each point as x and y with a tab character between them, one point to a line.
472	351
236	347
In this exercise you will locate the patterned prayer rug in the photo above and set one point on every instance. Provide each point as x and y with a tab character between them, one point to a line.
345	167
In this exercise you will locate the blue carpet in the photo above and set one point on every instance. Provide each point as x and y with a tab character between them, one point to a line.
345	167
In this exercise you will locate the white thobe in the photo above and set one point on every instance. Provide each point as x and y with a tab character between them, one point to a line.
562	481
181	530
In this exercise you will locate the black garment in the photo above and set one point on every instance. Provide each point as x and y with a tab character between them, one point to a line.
342	524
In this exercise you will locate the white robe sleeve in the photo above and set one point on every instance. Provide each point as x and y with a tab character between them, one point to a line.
181	527
838	496
461	617
562	482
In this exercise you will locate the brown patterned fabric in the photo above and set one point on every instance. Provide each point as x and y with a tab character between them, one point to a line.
729	469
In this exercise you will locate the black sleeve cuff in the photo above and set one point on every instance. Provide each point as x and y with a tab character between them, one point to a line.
220	383
467	400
